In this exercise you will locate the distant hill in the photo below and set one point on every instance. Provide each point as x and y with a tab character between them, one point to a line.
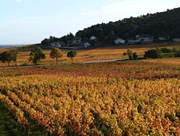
166	24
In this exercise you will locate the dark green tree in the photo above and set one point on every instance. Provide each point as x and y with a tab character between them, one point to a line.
153	53
71	36
71	54
125	53
111	37
45	42
36	55
176	51
85	39
135	56
8	56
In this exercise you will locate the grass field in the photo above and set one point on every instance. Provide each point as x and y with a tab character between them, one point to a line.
131	97
104	53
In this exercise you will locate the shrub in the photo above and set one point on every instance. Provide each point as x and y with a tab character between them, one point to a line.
135	56
176	49
24	64
125	53
165	50
130	53
159	53
153	53
177	54
168	55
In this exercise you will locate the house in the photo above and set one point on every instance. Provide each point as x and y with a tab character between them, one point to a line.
141	36
119	41
76	40
147	40
86	44
131	41
93	38
144	38
56	45
163	37
176	39
62	44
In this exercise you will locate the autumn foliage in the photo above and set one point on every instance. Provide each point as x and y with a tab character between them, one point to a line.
56	53
123	98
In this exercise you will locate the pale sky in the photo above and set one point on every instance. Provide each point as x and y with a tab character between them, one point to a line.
30	21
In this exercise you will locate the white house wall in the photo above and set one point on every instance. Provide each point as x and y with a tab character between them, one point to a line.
93	38
176	39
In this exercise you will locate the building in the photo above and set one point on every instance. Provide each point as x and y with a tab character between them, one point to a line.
119	41
176	39
56	45
93	38
86	44
163	37
76	40
131	42
144	38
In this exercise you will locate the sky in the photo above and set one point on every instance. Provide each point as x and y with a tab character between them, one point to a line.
31	21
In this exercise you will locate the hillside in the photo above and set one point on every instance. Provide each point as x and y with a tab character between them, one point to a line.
164	23
160	24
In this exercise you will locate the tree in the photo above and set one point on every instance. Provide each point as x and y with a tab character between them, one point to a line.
36	55
135	56
165	50
176	51
9	56
153	53
71	36
130	53
125	53
111	36
44	42
56	53
51	37
71	54
85	39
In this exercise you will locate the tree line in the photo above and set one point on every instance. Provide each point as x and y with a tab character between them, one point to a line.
36	55
155	53
159	24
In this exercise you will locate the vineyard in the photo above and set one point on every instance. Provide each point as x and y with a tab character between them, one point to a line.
121	98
